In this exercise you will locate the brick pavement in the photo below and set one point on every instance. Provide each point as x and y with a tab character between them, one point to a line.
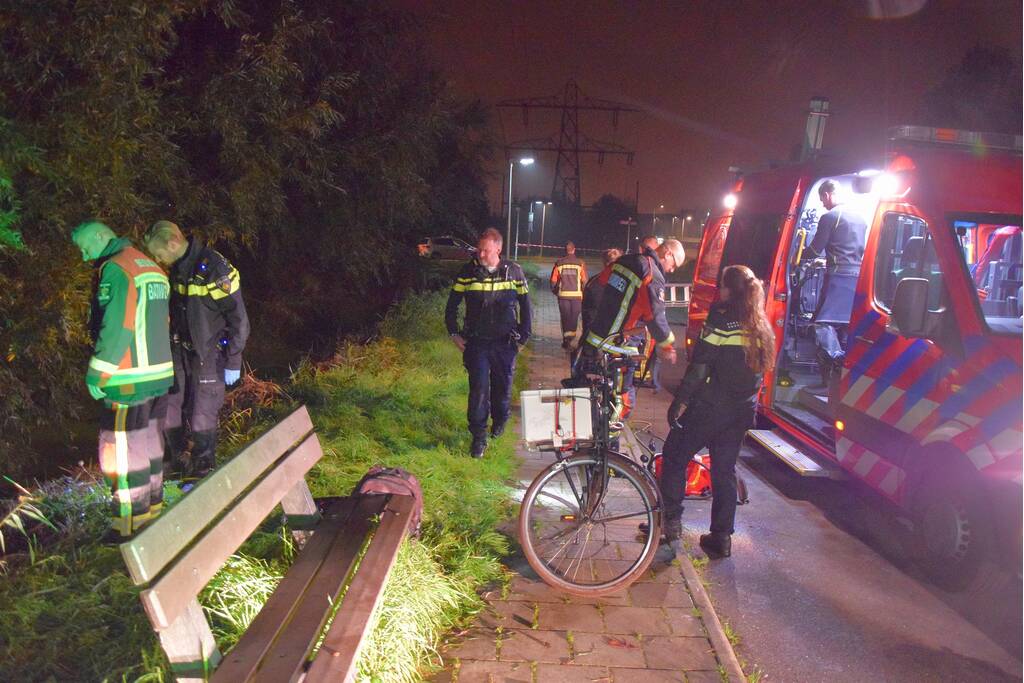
531	632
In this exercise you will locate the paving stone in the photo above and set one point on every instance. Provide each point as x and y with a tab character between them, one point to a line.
647	676
600	649
533	590
659	595
534	645
703	677
680	652
683	622
570	617
572	673
478	643
473	671
663	572
646	621
507	613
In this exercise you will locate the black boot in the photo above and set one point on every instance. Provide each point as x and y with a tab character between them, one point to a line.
716	545
175	451
476	450
497	429
204	452
671	530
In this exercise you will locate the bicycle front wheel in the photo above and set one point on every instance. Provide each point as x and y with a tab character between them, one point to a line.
583	548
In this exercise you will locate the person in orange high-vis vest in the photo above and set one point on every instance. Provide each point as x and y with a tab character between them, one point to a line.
129	369
568	278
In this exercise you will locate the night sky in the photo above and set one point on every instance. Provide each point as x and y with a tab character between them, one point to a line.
721	83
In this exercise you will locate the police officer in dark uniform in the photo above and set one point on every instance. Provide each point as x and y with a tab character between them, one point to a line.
209	328
714	404
840	240
491	335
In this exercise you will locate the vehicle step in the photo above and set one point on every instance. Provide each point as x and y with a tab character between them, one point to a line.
788	453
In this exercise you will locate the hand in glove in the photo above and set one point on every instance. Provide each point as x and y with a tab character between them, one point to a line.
231	376
674	411
96	392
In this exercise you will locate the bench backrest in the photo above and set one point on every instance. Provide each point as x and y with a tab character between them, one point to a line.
177	554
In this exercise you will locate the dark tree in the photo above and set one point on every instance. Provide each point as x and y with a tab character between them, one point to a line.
982	92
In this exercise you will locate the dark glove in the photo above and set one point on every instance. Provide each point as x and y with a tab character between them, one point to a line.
674	411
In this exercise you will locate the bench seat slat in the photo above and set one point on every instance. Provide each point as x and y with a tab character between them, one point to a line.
336	659
245	657
287	656
183	580
160	542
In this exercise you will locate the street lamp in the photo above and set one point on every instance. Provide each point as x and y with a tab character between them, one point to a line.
543	219
654	219
524	161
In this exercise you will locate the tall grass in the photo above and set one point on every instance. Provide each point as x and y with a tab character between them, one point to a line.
71	613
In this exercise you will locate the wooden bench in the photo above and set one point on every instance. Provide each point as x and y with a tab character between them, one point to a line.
177	555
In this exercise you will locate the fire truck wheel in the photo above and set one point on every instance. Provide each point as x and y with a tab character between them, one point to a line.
953	530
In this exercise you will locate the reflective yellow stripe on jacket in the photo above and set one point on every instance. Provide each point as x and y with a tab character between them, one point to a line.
468	284
212	289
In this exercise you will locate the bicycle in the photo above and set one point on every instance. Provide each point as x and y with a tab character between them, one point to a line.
579	522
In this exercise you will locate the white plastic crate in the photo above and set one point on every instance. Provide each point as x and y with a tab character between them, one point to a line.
556	417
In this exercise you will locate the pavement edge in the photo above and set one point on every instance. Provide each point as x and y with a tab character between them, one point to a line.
723	648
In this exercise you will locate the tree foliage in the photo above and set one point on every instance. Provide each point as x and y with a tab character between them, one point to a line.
982	92
311	141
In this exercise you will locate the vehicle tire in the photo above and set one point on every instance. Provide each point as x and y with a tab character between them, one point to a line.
953	529
602	556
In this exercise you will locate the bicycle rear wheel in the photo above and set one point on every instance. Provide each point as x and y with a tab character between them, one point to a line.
591	554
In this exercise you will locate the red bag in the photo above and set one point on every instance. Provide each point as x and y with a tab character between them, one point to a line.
382	480
698	475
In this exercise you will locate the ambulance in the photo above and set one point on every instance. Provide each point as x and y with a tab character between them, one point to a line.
926	409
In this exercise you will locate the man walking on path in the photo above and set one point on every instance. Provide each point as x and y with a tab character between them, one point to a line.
130	367
209	328
568	278
491	335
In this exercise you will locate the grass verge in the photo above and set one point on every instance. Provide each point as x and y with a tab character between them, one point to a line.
71	612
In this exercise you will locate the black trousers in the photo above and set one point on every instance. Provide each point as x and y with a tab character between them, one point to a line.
193	406
491	364
569	311
721	430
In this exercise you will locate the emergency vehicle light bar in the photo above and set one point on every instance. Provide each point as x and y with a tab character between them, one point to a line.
952	136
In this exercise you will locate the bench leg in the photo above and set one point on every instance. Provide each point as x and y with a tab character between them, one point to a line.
299	508
190	646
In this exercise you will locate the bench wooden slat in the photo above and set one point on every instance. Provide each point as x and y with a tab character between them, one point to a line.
245	657
155	547
285	659
184	579
336	660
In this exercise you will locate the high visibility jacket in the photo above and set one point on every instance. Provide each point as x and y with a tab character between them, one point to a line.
633	294
207	311
491	301
718	373
131	359
568	277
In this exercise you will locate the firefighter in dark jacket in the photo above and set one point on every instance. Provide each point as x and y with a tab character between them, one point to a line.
568	277
129	370
209	328
493	288
714	404
633	295
595	287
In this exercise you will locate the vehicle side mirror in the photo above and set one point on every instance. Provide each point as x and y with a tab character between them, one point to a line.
910	307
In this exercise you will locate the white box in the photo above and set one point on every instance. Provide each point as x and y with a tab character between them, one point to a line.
556	417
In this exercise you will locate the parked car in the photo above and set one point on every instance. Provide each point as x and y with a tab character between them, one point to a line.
446	247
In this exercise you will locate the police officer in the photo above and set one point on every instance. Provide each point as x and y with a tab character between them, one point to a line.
839	238
129	369
714	404
209	328
568	277
493	288
633	295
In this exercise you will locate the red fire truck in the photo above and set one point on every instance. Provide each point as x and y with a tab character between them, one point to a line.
927	407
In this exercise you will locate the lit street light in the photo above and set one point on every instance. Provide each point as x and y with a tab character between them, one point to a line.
524	161
654	219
